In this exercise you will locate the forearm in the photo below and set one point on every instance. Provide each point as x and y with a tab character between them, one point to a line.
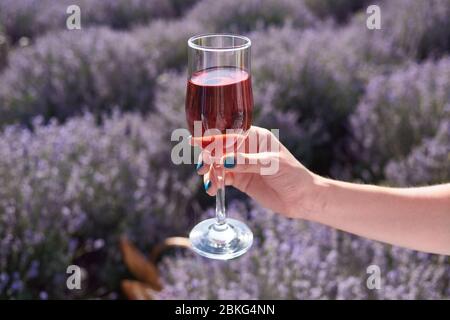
416	218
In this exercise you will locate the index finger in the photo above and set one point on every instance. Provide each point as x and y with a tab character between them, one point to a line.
228	142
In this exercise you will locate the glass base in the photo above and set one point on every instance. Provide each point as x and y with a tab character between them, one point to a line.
221	242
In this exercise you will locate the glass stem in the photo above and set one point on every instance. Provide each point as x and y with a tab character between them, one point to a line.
220	196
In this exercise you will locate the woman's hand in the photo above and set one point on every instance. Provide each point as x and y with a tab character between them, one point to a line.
416	218
287	188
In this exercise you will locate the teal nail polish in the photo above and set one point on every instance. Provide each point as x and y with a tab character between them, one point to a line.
229	162
207	185
199	165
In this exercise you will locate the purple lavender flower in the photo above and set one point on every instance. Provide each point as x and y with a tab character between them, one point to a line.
409	30
309	80
420	28
428	163
340	10
4	48
298	260
165	42
75	188
28	18
63	74
245	16
398	113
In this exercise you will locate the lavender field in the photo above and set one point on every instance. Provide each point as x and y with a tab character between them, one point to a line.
85	123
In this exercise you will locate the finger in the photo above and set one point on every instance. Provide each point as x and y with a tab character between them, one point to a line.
202	141
203	163
229	179
254	140
210	182
219	142
248	162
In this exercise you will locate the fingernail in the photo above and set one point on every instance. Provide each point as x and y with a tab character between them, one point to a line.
207	185
199	165
229	162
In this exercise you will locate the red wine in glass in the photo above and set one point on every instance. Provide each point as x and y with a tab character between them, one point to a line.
219	101
221	98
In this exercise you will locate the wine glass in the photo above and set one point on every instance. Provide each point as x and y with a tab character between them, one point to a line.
219	99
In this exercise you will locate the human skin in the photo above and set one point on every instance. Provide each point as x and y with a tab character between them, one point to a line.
416	218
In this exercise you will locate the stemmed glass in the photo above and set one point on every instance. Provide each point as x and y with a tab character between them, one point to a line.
219	102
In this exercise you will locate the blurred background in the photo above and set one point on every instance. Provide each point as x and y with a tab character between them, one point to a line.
85	123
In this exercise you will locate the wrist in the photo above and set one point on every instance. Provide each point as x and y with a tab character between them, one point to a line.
313	198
